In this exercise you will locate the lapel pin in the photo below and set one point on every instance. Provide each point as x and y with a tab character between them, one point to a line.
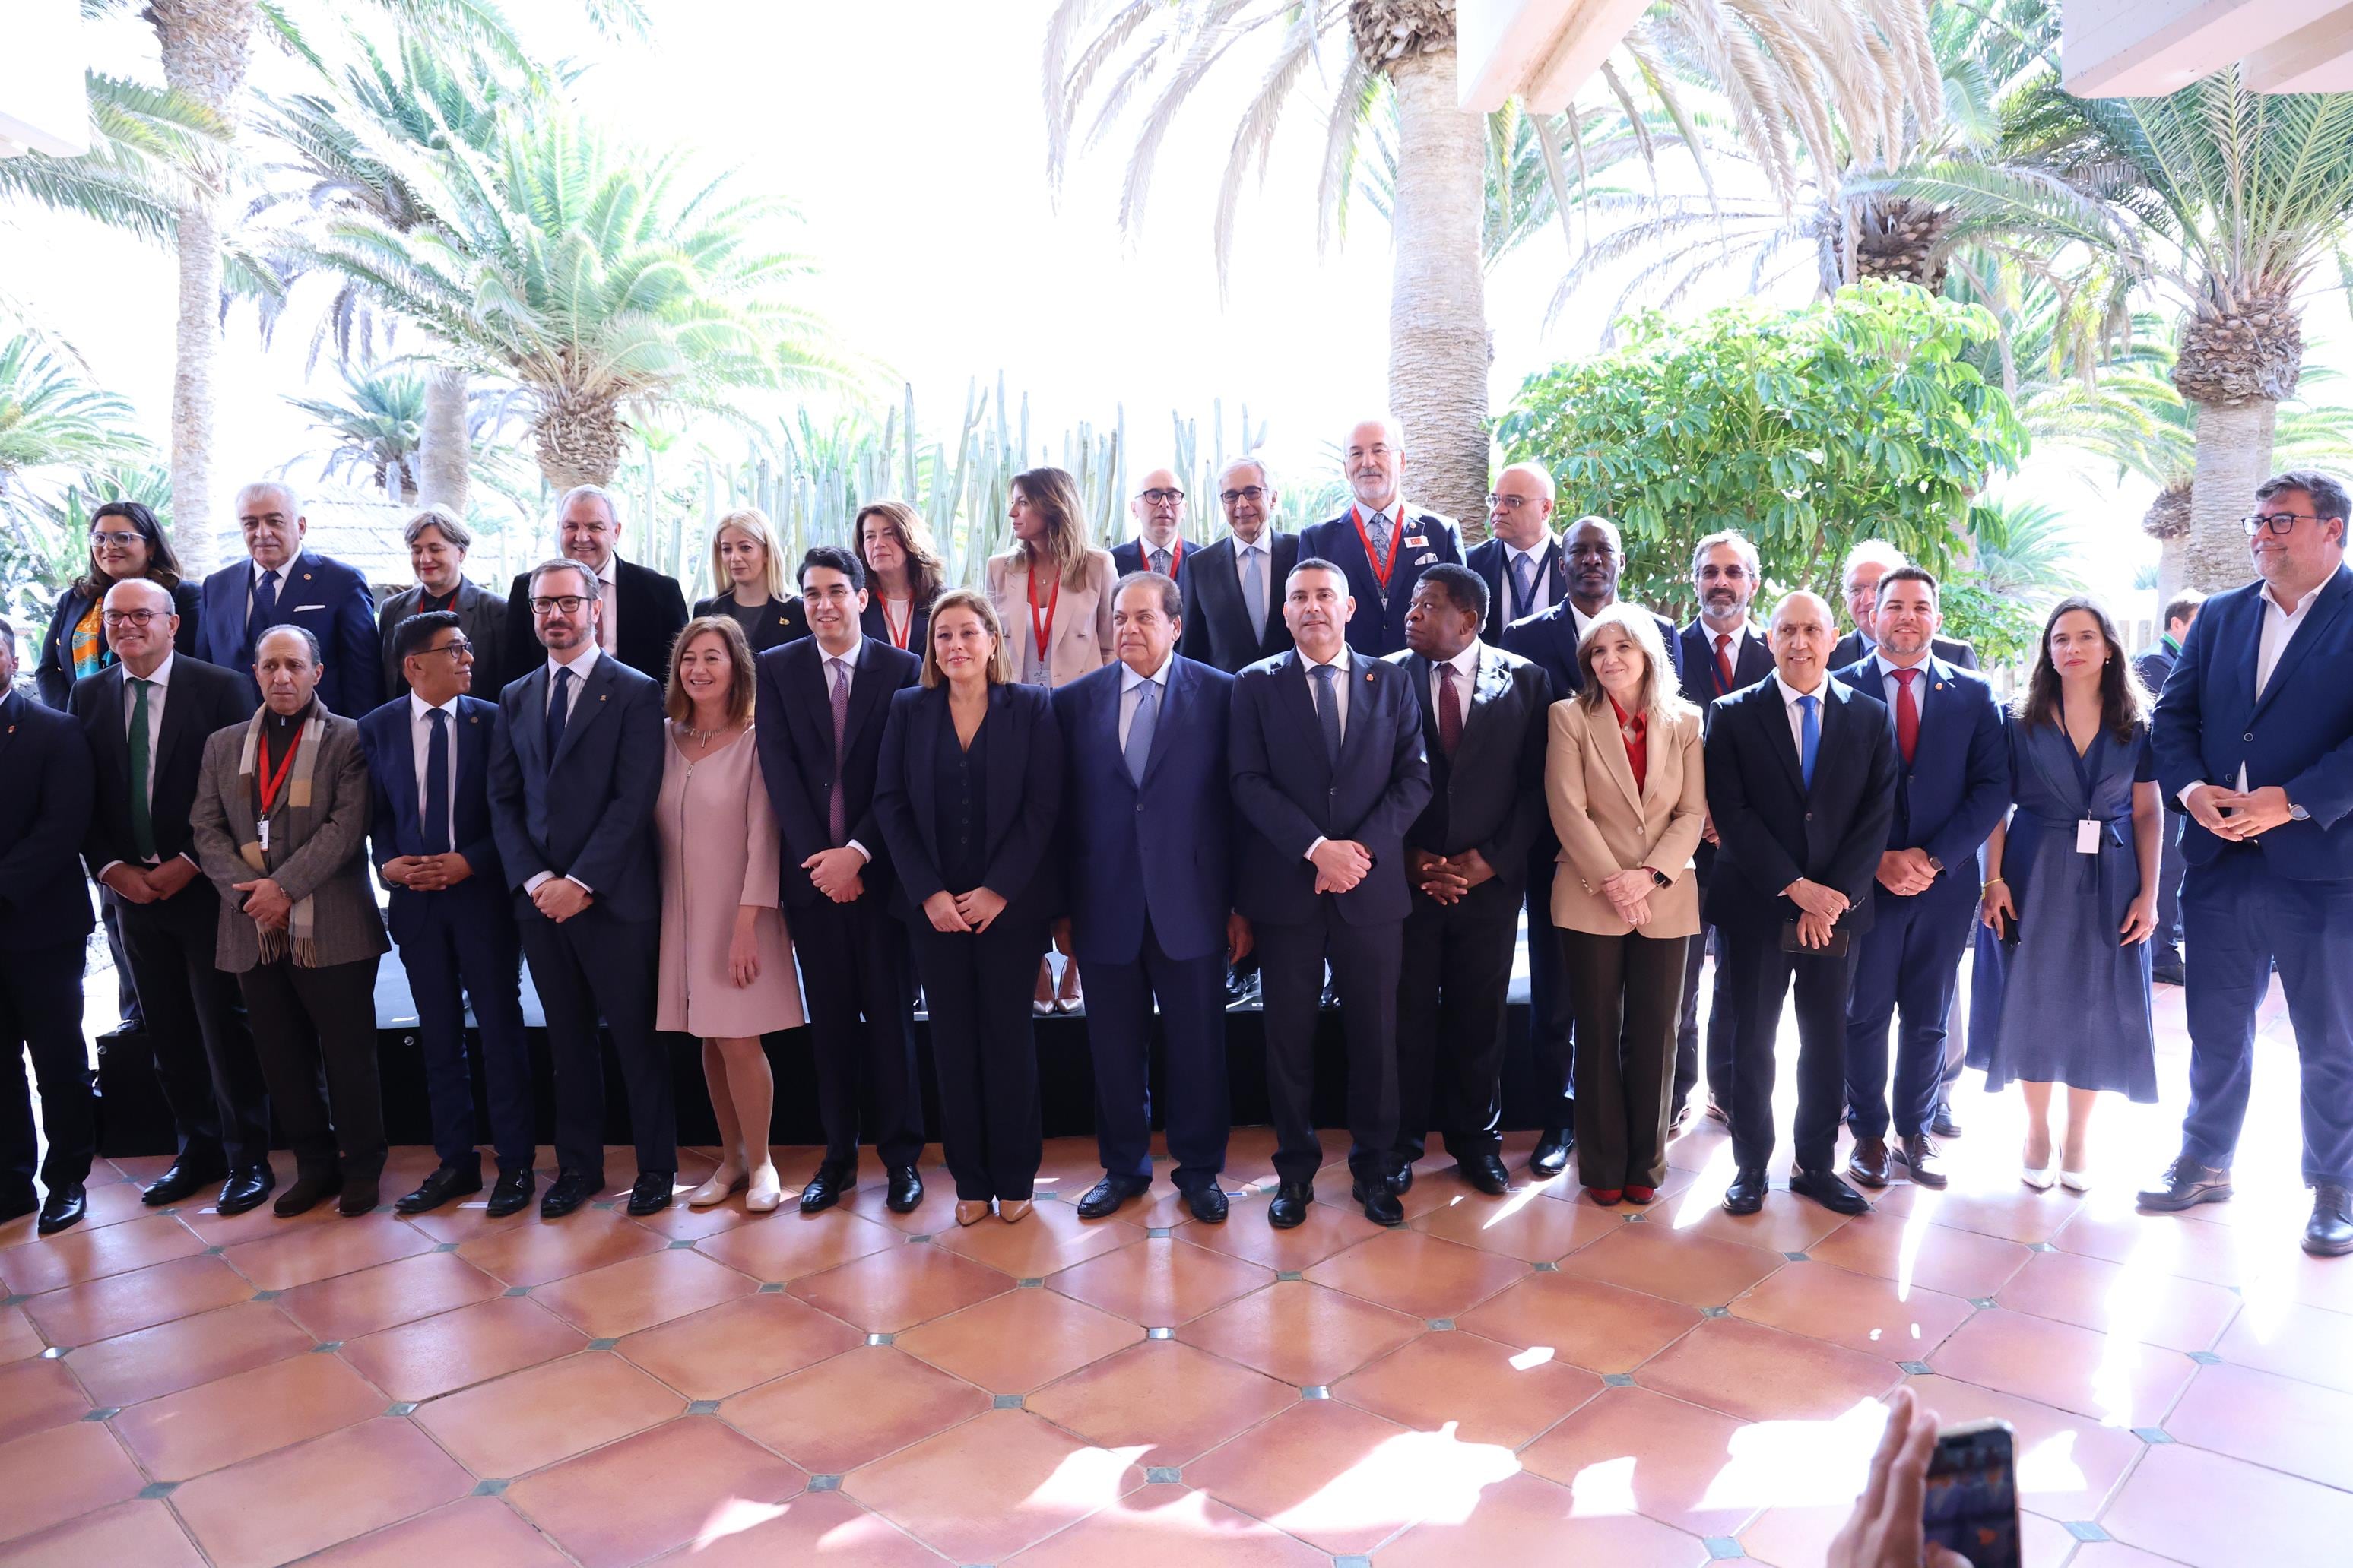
306	576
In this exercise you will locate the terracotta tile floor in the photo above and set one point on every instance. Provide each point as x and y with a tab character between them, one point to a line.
1521	1380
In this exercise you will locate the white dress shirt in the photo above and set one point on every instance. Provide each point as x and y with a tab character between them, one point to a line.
582	663
1578	619
421	737
1790	695
1465	666
1339	696
849	670
1131	693
2279	629
1889	686
161	682
1539	597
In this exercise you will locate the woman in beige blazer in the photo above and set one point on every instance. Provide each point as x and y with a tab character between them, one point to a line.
1623	778
1052	592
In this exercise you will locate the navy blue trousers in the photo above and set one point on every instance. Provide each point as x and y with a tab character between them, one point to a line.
1192	997
454	956
1909	962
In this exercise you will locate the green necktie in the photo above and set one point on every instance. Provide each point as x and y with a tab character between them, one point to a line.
143	828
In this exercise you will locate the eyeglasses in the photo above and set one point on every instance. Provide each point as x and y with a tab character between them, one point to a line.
130	617
1508	503
565	604
1163	498
2279	522
456	650
1250	493
113	541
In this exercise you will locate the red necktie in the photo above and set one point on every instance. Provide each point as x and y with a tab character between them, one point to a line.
1450	712
1723	659
1907	715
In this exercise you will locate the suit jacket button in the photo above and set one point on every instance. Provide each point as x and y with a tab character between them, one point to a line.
2248	736
1810	816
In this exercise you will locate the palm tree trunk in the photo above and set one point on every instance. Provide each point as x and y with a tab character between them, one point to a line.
442	454
2235	456
1439	343
207	46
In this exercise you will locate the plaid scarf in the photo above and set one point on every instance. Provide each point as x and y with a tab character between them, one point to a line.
299	925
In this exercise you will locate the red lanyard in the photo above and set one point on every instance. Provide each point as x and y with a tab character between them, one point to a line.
897	629
1043	630
1381	569
272	783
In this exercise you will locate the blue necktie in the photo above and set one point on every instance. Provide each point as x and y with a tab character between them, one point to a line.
1810	737
264	613
1139	730
1524	587
559	711
1327	709
437	784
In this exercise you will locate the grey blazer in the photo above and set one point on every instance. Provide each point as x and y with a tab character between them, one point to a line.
481	616
319	852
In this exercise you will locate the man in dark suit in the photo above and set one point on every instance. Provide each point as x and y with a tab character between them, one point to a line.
1522	565
147	718
1233	588
642	611
1328	774
1381	544
1952	785
575	763
822	699
1147	832
1720	652
280	584
438	542
428	754
1466	857
1596	560
45	921
2254	737
2153	666
1865	563
1158	507
1801	783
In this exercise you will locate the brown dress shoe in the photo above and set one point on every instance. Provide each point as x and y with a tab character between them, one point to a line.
1921	1157
1867	1163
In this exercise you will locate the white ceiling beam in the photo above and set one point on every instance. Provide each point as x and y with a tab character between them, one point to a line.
2316	57
2147	48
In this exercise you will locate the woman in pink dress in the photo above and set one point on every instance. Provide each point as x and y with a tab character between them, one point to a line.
727	974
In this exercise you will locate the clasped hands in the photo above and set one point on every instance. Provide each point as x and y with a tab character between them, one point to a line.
149	884
265	902
1340	864
836	873
428	873
962	912
1818	909
1446	878
2253	812
1629	893
1905	872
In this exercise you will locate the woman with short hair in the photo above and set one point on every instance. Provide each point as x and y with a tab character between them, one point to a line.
756	595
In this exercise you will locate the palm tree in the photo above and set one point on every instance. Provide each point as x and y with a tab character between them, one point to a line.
381	422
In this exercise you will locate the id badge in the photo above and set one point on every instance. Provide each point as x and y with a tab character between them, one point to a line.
2087	838
263	830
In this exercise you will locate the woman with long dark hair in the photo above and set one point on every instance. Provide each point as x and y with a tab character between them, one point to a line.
125	541
903	573
2060	988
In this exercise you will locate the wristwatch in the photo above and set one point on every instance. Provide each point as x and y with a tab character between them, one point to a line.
1935	865
1661	877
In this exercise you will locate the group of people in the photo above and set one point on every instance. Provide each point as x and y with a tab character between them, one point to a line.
1334	765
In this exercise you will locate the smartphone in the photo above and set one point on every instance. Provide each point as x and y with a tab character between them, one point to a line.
1971	1501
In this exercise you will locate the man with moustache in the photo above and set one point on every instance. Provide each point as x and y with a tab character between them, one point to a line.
1233	588
1522	565
640	611
1158	507
280	583
1327	771
1381	546
438	542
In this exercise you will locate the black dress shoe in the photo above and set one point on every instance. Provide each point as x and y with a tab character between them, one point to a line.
1828	1191
1550	1157
2329	1234
2185	1185
511	1195
1747	1192
181	1181
2168	974
1867	1162
906	1190
359	1197
1381	1205
245	1187
568	1192
17	1204
1487	1173
1942	1124
652	1193
824	1189
1207	1204
307	1191
446	1183
1398	1177
1107	1197
1919	1156
1288	1207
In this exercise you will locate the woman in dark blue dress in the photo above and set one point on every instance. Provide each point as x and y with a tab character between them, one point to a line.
2061	993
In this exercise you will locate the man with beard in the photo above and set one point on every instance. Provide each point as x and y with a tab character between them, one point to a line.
1381	544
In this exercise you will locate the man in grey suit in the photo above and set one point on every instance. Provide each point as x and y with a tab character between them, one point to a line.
281	824
438	542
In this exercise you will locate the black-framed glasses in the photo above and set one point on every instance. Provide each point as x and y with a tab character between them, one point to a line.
1163	498
455	650
132	617
114	540
565	604
1250	493
2279	522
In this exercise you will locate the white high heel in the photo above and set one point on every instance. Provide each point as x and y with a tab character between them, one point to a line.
2040	1180
766	1192
2075	1180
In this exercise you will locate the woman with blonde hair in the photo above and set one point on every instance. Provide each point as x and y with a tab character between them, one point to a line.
1053	591
903	573
1629	794
727	974
757	596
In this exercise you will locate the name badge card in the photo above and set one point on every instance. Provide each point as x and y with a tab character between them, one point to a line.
2087	838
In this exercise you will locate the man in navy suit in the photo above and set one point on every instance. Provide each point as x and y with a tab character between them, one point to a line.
1952	784
1596	560
1148	826
430	836
1380	544
1233	588
2254	737
822	701
1158	507
1522	563
280	584
2153	664
575	763
1327	770
1801	783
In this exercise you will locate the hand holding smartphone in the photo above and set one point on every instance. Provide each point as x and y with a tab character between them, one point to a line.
1891	1525
1969	1500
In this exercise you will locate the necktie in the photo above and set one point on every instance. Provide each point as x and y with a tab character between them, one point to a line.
1907	715
1140	728
837	815
1380	541
437	784
559	710
1722	663
1327	709
264	614
1160	562
143	826
1810	738
1524	586
1254	591
1450	710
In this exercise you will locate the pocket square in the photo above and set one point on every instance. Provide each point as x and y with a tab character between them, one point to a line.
300	608
1427	558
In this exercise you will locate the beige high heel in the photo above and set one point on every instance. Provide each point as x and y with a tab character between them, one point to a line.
971	1211
1015	1212
766	1192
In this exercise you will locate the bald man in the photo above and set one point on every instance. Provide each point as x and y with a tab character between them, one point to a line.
1522	563
1381	543
281	582
1158	507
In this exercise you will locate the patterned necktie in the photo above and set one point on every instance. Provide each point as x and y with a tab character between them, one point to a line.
437	784
1907	715
1160	562
837	811
1139	730
1524	586
1254	591
264	613
1327	709
1724	662
1380	541
1450	710
559	710
1810	738
143	824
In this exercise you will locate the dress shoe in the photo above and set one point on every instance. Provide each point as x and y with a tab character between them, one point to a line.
1288	1207
244	1188
446	1183
1398	1177
2329	1234
2185	1185
1942	1124
17	1204
1207	1204
1608	1197
825	1189
568	1192
766	1195
1716	1113
906	1190
307	1191
359	1197
1919	1156
1867	1162
1747	1192
1015	1210
512	1194
1381	1205
1487	1173
181	1181
1108	1196
1549	1158
2165	968
971	1211
1635	1194
652	1193
1826	1190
